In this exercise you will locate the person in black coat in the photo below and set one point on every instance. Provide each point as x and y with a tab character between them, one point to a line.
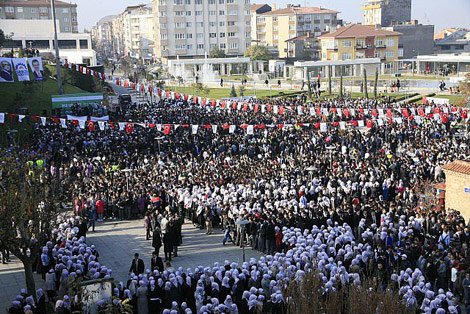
157	241
156	262
137	266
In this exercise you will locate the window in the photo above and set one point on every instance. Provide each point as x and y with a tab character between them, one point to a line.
199	35
247	34
187	1
222	46
178	2
233	46
212	35
231	34
188	13
162	13
232	1
198	1
232	12
162	2
19	9
326	21
163	25
221	35
230	23
65	10
179	25
389	54
66	20
221	12
180	36
180	47
221	24
221	1
200	46
199	24
211	1
346	43
43	10
33	10
179	13
189	24
163	36
189	36
9	9
67	29
377	54
346	56
212	12
275	19
379	42
390	42
189	47
74	18
212	24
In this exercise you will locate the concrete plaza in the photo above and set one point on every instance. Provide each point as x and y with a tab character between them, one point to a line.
117	241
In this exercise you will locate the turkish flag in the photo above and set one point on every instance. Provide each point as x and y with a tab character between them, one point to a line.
166	129
421	112
129	128
255	109
464	113
282	110
345	112
245	106
444	118
354	122
213	103
91	126
369	123
405	112
374	112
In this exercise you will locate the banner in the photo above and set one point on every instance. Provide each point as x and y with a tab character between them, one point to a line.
6	70
36	66
21	69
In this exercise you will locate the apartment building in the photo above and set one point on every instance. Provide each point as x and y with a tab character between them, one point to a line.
277	28
386	12
256	10
102	35
138	30
192	28
358	41
66	13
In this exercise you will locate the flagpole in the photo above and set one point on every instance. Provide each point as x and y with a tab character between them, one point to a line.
56	46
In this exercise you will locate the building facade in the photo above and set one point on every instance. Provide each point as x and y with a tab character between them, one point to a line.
416	39
103	36
256	10
192	28
276	28
66	13
358	41
386	12
458	187
39	34
138	28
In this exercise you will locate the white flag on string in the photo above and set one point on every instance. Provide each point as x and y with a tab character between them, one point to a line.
194	128
250	129
63	123
231	129
43	121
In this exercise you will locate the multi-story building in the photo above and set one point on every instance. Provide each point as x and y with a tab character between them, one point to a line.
118	35
358	41
66	13
39	34
386	12
138	31
257	22
192	28
277	28
416	39
102	35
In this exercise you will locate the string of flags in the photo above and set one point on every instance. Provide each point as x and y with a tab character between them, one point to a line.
84	70
427	110
358	119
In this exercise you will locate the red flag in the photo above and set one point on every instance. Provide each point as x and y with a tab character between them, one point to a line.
245	106
421	112
213	103
282	110
129	128
369	123
405	113
444	118
354	122
345	112
255	109
166	129
91	126
464	113
374	113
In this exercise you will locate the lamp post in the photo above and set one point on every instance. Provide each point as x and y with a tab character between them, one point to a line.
56	47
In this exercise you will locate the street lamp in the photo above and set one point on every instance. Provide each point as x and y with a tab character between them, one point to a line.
56	46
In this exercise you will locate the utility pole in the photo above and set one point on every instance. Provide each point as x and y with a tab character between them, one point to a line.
56	46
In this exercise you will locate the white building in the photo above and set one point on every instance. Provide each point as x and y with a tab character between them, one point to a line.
137	26
39	34
103	36
191	28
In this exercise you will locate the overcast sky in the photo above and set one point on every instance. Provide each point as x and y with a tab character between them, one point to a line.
449	13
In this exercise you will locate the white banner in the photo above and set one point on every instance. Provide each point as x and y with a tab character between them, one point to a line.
231	128
250	130
101	125
63	123
194	128
43	121
214	128
78	118
6	70
95	119
21	69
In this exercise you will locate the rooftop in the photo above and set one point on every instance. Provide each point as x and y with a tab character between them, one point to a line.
36	3
459	166
358	30
301	10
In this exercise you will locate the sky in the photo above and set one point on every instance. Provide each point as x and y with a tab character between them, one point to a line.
443	14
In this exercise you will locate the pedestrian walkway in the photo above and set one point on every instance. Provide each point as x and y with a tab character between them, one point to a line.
118	241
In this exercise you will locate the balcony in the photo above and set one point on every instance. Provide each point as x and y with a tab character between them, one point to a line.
361	46
380	46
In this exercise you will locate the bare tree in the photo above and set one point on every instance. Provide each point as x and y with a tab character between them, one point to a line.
27	210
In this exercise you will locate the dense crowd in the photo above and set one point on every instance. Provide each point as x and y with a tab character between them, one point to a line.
346	202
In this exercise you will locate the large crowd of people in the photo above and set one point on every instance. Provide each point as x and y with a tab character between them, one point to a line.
345	201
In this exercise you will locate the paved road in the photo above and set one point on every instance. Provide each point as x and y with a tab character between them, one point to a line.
118	241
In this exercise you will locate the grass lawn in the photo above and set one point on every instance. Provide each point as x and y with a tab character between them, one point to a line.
36	96
219	93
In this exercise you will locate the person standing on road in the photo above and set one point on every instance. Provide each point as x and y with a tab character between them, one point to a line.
137	265
157	241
